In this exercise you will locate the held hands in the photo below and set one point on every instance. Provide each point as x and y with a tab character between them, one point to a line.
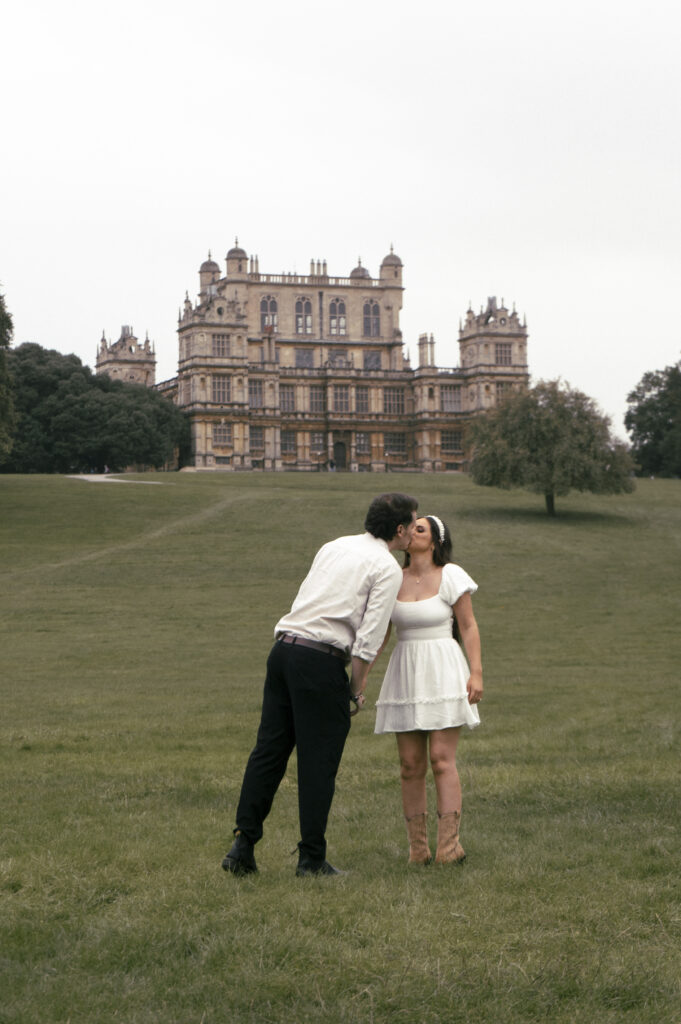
358	682
474	687
359	700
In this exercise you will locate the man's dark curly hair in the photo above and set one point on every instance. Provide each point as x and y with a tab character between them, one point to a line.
387	512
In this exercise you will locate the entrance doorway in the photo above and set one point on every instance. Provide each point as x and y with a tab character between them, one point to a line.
340	454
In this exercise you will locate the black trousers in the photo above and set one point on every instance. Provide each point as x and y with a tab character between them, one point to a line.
306	705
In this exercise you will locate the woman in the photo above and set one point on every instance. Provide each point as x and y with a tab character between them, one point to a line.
428	691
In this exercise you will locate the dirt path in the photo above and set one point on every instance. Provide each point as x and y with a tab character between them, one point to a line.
106	478
142	538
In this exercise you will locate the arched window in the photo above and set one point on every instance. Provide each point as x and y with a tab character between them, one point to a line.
372	320
337	321
268	314
303	316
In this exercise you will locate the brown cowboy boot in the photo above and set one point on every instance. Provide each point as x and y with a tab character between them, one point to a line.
449	849
419	852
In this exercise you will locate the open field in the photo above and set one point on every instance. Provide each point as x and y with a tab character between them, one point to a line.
134	626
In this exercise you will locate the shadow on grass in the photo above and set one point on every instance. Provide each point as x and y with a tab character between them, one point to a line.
539	515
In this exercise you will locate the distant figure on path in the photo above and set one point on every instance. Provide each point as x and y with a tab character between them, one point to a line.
428	692
338	617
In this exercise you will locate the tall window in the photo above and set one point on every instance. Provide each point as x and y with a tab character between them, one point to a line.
393	401
361	398
450	398
221	345
337	321
341	398
451	441
503	389
317	398
503	353
287	398
317	442
303	316
268	313
222	434
304	358
372	360
396	444
257	439
221	389
255	399
288	442
372	320
362	443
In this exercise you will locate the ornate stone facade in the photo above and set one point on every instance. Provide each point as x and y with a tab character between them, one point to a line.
292	371
308	372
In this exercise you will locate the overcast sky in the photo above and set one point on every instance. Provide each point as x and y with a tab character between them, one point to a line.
529	150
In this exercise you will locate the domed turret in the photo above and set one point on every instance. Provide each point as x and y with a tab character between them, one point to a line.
391	268
209	274
359	272
391	260
237	260
209	266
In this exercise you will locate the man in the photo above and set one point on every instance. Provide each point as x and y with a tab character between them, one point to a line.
339	617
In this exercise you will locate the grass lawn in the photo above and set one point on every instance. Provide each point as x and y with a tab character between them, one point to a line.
134	625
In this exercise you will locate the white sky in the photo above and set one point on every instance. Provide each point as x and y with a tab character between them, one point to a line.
529	150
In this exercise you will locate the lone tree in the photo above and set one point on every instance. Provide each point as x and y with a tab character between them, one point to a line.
7	417
653	420
550	440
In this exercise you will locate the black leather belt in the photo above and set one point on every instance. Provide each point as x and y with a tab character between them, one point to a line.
316	645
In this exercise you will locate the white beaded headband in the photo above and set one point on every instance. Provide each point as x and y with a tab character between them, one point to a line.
440	526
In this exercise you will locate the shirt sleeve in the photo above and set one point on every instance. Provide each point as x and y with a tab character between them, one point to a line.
455	582
379	607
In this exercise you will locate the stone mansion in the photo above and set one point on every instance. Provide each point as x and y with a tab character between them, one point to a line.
308	371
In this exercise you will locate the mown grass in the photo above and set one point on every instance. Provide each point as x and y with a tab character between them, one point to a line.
135	622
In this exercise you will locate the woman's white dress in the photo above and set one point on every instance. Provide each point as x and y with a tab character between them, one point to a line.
425	682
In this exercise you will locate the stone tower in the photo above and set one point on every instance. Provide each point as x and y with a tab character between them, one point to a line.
493	354
127	359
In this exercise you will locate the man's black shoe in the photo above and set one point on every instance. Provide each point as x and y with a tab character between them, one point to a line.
240	859
316	867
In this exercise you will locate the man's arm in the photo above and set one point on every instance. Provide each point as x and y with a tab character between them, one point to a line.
377	612
358	678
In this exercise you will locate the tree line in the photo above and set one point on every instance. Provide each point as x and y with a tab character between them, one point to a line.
57	416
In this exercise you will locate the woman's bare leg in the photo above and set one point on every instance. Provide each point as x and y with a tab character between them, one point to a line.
412	748
443	744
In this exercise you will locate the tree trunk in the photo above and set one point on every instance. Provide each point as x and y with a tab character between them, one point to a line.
550	504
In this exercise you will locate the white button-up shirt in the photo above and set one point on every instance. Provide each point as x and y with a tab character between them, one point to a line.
347	597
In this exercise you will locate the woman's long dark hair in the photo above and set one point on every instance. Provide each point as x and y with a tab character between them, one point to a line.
442	555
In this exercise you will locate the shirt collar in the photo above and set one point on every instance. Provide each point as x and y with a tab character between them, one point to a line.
378	540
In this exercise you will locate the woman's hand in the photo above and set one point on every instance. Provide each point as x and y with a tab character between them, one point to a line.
474	687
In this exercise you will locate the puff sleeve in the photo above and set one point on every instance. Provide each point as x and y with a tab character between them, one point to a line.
455	582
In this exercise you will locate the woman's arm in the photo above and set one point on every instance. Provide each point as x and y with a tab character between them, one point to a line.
470	637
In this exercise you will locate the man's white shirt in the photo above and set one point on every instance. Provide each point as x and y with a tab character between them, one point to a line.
347	597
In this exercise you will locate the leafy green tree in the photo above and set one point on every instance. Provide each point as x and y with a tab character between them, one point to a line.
71	420
653	420
7	417
550	440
